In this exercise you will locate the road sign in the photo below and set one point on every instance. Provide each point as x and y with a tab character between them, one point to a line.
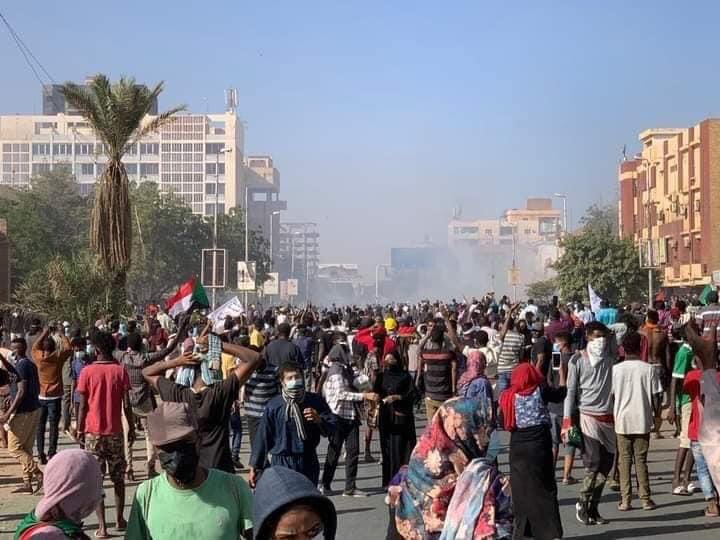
212	271
272	284
246	276
292	287
514	276
283	290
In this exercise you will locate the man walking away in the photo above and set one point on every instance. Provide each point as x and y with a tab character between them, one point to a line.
634	385
23	414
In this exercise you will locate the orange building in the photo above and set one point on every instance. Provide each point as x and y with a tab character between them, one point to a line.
670	202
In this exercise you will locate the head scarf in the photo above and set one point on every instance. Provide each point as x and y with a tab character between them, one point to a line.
523	382
186	374
293	399
456	435
73	482
473	370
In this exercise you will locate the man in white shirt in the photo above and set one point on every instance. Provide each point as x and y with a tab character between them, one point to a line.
529	308
634	386
584	314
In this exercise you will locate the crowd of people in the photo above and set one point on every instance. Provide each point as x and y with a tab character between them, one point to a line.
561	380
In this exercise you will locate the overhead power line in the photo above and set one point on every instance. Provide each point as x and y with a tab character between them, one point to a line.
27	53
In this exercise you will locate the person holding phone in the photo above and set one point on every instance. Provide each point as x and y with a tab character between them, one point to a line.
562	352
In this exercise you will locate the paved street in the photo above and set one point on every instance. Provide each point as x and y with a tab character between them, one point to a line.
676	517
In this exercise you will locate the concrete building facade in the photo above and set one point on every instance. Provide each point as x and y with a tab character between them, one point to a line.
669	202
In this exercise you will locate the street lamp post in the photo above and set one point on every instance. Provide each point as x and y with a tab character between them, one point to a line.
564	206
648	165
377	280
272	234
215	219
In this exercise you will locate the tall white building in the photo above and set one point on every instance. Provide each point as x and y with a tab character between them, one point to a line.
200	158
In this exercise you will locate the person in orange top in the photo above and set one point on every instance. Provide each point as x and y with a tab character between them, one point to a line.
49	356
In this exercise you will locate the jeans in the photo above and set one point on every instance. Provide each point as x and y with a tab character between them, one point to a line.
253	423
633	448
703	473
49	412
347	433
235	434
503	381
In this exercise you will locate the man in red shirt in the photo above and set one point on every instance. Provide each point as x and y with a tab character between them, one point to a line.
104	392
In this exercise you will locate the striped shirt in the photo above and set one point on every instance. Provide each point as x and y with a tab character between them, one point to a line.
259	389
708	317
340	399
510	350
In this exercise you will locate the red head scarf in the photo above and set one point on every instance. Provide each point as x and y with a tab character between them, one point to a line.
523	382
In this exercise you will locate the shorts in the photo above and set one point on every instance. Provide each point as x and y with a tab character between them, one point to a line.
555	428
109	450
685	412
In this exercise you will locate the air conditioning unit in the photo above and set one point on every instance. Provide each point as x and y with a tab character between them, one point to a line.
696	205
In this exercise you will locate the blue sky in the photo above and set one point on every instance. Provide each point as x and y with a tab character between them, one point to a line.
382	116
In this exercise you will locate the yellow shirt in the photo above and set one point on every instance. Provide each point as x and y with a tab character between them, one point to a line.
390	324
227	364
257	339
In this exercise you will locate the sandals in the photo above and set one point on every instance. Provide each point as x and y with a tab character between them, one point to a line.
38	477
569	481
681	491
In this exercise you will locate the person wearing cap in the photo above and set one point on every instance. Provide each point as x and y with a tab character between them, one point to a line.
189	500
287	505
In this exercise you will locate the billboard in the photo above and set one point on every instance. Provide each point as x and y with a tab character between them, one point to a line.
246	276
292	287
271	286
212	270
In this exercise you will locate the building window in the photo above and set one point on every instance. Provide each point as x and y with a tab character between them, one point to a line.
209	189
214	148
41	149
131	168
87	169
149	149
147	169
38	168
210	168
84	149
62	149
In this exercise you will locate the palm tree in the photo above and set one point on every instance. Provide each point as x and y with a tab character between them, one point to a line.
115	112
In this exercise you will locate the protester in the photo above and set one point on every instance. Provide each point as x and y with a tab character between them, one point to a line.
473	383
189	500
291	428
634	386
211	403
511	349
657	354
396	390
532	469
288	506
589	392
281	349
72	490
339	392
680	402
50	359
607	315
457	437
564	352
79	360
104	389
22	416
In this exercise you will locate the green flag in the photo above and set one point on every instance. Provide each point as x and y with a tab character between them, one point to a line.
704	294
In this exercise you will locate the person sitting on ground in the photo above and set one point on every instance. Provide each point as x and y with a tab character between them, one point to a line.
291	427
73	488
189	500
288	506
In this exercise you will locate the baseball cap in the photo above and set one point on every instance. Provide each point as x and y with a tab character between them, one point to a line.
169	423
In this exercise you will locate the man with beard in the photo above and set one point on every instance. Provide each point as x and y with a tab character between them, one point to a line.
189	500
291	427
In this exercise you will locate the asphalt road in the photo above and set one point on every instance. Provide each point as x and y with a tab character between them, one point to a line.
367	518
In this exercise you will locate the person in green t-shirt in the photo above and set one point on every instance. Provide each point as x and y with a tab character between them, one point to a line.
188	501
680	404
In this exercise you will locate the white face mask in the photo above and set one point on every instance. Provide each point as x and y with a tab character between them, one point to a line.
595	350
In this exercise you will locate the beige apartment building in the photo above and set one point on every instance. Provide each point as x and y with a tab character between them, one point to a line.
669	202
187	157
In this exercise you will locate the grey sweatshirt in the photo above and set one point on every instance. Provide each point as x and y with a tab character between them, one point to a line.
589	389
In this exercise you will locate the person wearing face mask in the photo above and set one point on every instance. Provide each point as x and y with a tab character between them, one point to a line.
287	506
291	427
80	359
589	393
188	500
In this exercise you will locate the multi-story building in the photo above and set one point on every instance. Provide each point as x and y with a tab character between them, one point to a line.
670	202
264	206
298	254
537	222
199	158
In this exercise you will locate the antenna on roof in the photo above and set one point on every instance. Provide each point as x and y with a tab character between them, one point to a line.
230	100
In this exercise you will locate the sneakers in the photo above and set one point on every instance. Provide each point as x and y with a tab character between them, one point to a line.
357	493
624	506
582	515
692	487
649	504
712	509
324	490
595	515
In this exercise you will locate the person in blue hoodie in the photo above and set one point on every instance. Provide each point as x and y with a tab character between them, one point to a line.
291	427
288	505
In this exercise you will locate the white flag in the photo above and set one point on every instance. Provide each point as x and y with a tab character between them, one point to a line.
232	307
594	300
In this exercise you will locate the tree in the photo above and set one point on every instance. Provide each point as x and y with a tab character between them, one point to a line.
74	288
167	241
48	219
116	113
542	291
231	236
596	255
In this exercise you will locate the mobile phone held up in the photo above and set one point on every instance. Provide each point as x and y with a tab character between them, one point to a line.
556	360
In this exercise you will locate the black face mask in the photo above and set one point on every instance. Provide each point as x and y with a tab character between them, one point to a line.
181	463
